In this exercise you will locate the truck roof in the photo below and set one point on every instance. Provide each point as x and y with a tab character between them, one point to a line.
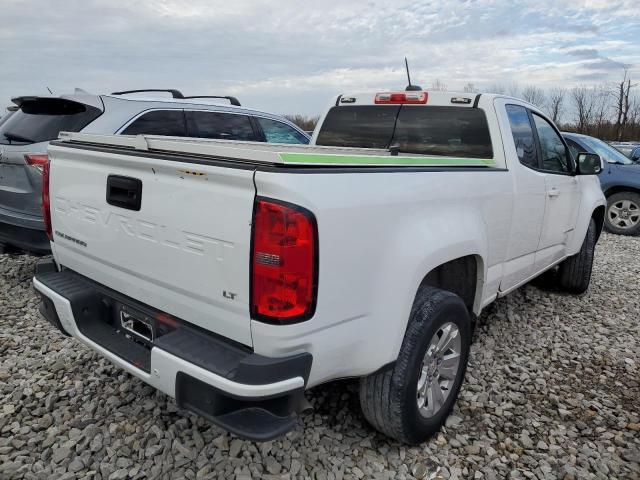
431	98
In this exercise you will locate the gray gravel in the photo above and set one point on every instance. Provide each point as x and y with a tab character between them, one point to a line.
552	391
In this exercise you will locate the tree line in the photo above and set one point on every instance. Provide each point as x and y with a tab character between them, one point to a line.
610	111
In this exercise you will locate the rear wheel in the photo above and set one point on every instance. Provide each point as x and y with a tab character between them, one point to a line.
623	213
574	273
412	400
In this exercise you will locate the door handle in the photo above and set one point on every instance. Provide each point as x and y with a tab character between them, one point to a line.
553	192
124	192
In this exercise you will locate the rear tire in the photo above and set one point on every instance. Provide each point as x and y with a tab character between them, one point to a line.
623	213
574	274
438	336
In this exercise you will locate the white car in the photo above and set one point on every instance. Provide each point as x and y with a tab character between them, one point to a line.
233	276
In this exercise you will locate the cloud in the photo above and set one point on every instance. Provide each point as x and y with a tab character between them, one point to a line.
584	53
604	63
284	58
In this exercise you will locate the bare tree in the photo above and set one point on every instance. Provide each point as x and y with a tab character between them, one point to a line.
633	119
438	84
513	89
304	122
583	105
498	88
469	88
622	105
534	95
600	96
555	104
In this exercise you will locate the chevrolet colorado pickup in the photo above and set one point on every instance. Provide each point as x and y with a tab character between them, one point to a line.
235	275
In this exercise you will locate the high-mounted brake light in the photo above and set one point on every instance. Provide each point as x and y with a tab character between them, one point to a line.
46	202
37	160
284	263
401	97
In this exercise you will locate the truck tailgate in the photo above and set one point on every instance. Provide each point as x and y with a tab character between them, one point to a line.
185	251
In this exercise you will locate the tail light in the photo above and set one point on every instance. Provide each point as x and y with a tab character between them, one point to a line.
38	160
401	97
46	203
284	263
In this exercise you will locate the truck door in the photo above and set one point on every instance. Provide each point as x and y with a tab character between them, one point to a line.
529	199
562	193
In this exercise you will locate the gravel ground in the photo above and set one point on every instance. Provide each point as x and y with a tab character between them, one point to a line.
552	391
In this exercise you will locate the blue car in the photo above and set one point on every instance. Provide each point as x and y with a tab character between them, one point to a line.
620	181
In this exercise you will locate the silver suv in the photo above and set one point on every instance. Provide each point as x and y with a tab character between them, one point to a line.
26	132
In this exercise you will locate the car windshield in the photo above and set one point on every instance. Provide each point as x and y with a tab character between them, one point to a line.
607	152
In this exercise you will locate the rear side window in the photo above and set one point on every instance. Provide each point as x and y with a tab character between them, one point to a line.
41	120
158	122
278	132
522	135
368	126
217	125
458	131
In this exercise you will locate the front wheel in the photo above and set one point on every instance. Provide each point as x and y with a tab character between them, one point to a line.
623	213
574	274
412	400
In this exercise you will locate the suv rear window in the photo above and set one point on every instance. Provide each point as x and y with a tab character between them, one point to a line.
41	120
436	130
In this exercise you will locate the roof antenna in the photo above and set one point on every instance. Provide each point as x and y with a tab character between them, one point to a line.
410	88
50	91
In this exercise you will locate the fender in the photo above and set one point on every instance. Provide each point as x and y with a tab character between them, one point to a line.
465	236
591	199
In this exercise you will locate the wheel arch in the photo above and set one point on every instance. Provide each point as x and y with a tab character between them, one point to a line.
598	217
621	188
463	276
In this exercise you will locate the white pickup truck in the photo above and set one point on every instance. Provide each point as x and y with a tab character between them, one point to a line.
233	276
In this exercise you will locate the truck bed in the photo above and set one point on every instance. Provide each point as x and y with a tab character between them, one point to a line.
260	153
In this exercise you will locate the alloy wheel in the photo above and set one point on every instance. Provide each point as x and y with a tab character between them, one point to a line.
624	214
439	369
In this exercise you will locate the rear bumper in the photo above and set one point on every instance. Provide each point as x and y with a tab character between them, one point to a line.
253	396
23	231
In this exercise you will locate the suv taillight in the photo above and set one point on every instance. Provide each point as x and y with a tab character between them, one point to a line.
38	160
46	203
284	262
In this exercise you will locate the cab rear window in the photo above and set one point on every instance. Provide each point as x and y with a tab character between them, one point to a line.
433	130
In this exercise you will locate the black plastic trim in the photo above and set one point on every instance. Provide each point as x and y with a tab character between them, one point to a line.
258	419
46	265
476	100
174	93
232	100
33	240
93	303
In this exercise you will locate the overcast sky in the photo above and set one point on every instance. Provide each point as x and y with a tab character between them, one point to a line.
291	56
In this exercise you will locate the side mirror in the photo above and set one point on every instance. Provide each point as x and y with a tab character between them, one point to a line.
635	156
589	164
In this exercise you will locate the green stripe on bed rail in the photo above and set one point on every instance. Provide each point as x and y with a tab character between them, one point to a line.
375	160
